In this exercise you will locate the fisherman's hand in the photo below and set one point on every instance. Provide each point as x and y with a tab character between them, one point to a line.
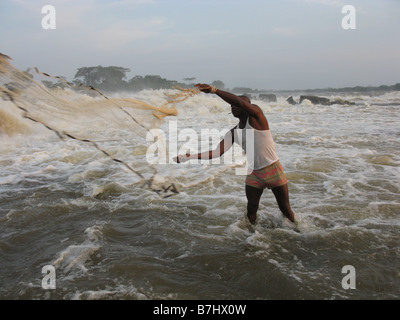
206	88
182	158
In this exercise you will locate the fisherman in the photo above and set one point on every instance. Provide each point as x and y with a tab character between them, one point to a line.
266	169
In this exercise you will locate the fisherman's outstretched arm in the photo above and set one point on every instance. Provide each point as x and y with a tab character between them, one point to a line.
222	147
232	99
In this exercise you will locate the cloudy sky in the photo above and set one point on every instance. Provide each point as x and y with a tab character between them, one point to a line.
276	44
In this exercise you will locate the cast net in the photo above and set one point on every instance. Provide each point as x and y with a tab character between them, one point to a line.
88	116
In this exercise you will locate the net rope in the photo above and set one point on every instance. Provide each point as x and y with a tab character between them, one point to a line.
35	100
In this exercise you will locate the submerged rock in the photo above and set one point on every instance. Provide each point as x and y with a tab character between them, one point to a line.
319	100
268	97
315	100
291	100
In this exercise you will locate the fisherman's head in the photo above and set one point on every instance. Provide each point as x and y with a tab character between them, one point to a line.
238	112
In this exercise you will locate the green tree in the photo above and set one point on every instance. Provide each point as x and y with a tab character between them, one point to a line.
106	78
138	83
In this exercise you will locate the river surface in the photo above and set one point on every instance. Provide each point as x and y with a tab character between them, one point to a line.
66	205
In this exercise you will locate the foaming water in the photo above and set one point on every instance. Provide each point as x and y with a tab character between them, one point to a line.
64	204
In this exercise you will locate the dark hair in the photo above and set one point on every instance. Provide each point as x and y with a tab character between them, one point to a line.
246	97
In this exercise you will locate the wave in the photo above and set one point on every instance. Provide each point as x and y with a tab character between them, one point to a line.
81	113
11	123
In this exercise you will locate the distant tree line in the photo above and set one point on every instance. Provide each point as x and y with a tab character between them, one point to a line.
113	78
382	88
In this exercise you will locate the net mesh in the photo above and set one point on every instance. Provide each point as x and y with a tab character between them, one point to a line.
83	113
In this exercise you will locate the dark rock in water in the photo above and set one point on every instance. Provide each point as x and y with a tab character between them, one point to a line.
343	102
316	100
268	97
319	100
291	100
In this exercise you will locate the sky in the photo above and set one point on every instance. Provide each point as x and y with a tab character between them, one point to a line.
270	45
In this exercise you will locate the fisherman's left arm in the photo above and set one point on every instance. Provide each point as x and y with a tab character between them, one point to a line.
232	99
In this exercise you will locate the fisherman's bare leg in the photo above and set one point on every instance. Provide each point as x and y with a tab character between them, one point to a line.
253	200
282	197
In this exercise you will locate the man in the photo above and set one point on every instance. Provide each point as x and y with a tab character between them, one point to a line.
267	171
